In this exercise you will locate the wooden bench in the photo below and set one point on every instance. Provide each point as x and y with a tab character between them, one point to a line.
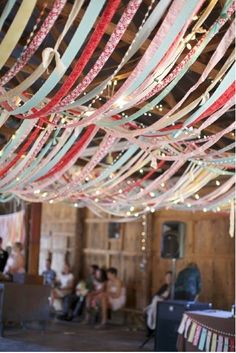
22	303
134	318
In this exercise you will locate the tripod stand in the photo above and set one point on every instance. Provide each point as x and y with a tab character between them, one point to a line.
147	339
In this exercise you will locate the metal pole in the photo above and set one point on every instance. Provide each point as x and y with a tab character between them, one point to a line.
172	293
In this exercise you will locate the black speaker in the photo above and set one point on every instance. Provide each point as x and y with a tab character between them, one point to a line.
173	240
169	315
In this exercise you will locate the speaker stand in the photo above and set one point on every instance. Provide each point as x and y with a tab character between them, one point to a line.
172	292
147	340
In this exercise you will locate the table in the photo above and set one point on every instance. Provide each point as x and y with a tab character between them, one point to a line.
23	302
208	330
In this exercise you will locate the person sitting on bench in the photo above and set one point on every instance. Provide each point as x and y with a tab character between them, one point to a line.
66	284
114	297
162	294
93	298
73	304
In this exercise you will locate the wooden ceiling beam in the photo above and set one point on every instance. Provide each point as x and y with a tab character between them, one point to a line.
127	37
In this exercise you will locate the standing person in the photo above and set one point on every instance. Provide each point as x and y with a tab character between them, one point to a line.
49	275
16	260
188	284
162	294
3	257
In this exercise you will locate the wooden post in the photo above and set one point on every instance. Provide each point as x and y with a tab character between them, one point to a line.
34	238
77	257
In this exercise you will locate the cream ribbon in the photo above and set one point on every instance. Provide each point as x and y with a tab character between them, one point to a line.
16	29
205	14
47	56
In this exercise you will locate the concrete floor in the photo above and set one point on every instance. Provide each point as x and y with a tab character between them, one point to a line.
72	336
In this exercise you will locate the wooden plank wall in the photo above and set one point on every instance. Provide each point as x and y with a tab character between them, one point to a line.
58	233
123	253
207	243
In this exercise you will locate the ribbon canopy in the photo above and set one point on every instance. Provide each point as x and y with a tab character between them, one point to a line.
122	107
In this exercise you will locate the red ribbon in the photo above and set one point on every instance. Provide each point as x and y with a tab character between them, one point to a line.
83	60
66	158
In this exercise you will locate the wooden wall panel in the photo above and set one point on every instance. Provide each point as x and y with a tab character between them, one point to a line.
209	245
123	253
58	232
132	234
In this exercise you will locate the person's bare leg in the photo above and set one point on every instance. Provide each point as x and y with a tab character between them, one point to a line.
52	297
88	305
104	306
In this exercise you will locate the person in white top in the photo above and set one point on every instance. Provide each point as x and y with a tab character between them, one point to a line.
93	297
114	297
66	284
16	261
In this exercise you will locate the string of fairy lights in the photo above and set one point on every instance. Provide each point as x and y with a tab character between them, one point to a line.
117	148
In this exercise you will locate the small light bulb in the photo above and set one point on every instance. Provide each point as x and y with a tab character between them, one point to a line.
197	197
132	208
217	182
189	46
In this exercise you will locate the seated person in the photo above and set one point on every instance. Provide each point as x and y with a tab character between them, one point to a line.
16	261
188	283
162	294
114	297
66	284
93	298
73	303
49	275
91	277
